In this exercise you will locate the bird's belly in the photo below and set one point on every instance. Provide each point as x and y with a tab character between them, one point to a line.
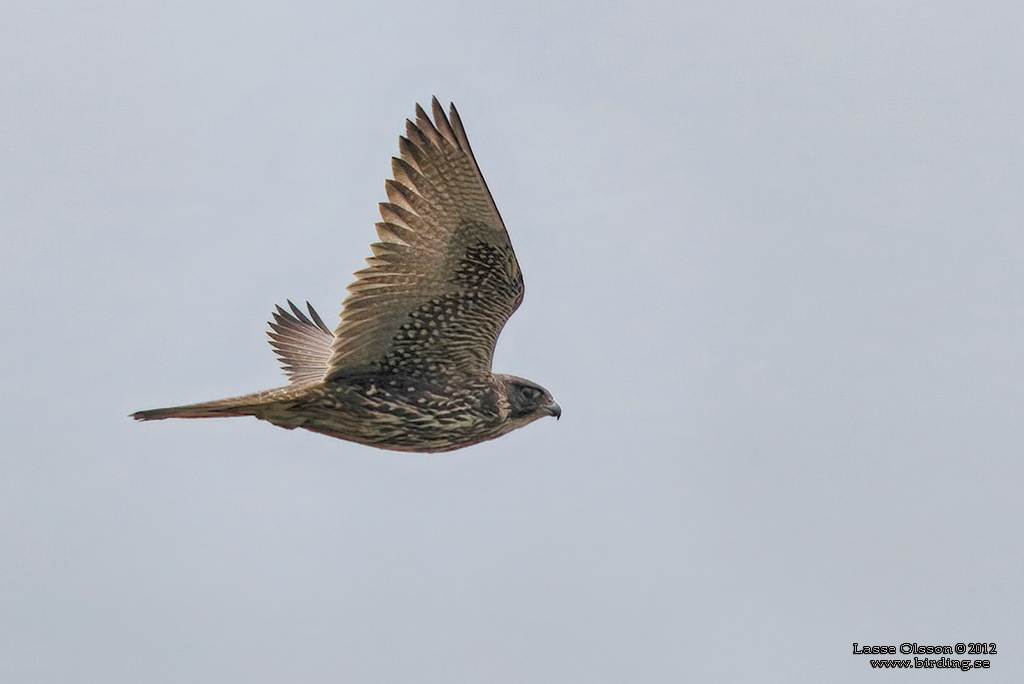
402	415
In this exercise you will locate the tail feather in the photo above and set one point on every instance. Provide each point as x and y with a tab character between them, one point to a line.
223	408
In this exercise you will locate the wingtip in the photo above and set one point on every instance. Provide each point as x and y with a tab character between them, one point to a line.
436	105
316	318
421	113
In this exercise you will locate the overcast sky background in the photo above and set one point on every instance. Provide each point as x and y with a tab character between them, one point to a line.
773	256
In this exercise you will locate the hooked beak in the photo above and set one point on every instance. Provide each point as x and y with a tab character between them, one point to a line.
554	409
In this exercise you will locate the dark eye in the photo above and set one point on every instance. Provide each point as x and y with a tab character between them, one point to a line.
530	393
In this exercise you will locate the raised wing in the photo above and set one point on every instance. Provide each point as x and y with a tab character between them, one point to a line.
302	345
443	279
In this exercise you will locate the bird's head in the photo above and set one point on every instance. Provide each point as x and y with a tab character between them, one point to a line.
527	400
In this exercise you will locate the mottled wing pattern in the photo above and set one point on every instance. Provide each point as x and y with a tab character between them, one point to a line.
443	280
302	345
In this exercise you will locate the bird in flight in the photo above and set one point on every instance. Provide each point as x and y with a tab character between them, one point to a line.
408	367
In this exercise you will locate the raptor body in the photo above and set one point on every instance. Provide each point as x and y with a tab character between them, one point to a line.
408	367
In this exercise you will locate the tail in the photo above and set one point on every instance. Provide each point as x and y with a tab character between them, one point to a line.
224	408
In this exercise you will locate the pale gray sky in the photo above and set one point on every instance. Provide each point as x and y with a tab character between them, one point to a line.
773	256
